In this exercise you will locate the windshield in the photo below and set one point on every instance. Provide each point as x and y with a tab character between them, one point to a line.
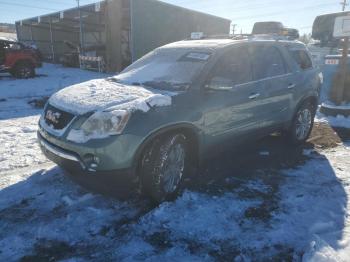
165	68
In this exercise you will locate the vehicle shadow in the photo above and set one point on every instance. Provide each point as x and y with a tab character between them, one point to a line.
10	77
296	185
272	153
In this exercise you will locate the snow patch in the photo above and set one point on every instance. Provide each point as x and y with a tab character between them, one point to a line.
320	251
338	121
50	78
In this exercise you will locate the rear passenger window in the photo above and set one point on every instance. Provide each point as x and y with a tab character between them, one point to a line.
267	62
233	68
301	58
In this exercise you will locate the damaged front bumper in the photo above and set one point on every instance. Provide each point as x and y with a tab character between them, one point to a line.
118	183
99	155
54	153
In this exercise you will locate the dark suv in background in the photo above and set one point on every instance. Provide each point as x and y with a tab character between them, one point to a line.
180	103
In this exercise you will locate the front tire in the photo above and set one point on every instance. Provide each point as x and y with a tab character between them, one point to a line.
163	167
23	70
302	124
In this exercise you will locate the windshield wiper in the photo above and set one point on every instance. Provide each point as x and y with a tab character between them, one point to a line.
164	85
116	80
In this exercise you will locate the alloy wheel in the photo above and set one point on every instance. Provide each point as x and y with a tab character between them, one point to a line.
173	168
303	124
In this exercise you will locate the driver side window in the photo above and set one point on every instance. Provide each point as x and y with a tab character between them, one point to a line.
233	68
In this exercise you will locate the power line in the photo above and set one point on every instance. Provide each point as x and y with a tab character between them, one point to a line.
36	7
56	2
305	27
251	6
279	12
27	6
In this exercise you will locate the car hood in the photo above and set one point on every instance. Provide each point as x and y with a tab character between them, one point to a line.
101	94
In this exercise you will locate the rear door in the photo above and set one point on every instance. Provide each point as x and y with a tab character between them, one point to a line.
271	69
306	75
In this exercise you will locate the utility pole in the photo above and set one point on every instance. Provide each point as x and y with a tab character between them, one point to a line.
344	5
233	28
339	88
80	29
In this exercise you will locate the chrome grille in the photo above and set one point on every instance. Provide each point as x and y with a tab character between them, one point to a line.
57	118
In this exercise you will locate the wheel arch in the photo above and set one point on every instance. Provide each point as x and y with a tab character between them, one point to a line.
313	99
189	130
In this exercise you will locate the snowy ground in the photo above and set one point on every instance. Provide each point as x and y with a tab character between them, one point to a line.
267	202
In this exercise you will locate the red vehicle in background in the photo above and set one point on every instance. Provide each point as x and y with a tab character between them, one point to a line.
18	60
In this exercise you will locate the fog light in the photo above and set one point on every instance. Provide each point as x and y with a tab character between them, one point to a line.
93	165
91	162
91	158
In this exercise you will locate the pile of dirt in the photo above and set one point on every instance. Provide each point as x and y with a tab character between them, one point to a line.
324	136
38	103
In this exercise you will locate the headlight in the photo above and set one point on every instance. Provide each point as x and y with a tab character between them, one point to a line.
100	125
106	123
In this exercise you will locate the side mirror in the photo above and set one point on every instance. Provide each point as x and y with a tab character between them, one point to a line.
219	84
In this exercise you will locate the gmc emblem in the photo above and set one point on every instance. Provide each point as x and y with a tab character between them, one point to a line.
52	116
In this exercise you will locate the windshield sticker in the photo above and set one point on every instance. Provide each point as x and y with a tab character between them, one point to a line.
198	56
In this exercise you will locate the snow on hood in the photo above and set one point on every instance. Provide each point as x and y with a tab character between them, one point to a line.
100	94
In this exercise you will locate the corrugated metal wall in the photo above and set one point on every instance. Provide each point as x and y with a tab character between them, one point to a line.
128	28
155	23
113	34
65	26
40	36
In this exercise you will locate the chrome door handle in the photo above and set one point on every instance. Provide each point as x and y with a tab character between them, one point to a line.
291	86
253	96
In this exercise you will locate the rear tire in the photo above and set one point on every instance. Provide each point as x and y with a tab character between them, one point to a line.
23	70
163	167
302	124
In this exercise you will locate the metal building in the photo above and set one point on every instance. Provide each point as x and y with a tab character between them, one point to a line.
120	31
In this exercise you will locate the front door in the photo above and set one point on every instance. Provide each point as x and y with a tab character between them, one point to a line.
231	100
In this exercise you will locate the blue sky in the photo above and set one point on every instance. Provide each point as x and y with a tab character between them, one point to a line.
297	13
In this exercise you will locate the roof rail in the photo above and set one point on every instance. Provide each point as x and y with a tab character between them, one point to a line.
275	37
